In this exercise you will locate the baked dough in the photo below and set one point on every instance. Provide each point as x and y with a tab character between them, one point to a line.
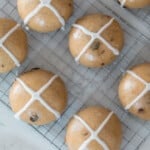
45	15
134	3
38	97
13	45
95	40
134	91
94	128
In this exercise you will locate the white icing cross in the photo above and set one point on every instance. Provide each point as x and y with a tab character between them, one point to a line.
44	3
147	88
94	134
95	36
6	50
123	3
36	96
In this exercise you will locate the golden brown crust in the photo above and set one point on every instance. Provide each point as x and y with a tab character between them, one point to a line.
16	43
45	20
130	88
55	96
94	116
136	3
98	54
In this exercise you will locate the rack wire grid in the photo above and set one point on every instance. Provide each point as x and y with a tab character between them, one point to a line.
85	86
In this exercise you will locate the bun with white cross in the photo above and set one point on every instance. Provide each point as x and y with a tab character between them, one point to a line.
94	128
134	91
38	97
45	15
96	40
13	45
134	3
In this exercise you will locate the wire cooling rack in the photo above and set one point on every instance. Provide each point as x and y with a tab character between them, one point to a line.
85	86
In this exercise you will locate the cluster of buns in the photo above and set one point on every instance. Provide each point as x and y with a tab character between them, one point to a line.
39	96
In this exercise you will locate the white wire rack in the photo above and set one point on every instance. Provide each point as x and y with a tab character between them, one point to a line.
85	86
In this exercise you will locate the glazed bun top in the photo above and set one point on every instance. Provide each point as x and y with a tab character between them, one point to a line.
38	97
13	45
96	40
94	128
134	91
45	15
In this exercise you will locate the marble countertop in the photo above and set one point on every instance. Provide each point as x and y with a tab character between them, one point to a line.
16	135
146	144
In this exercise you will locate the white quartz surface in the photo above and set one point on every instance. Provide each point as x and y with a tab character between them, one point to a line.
146	144
15	135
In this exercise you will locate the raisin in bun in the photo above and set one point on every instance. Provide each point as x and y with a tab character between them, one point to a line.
134	91
13	45
96	40
94	128
38	97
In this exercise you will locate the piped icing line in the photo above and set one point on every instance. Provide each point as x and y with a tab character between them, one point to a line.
94	134
47	4
36	96
6	50
61	19
32	14
123	3
146	89
137	77
95	36
85	143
